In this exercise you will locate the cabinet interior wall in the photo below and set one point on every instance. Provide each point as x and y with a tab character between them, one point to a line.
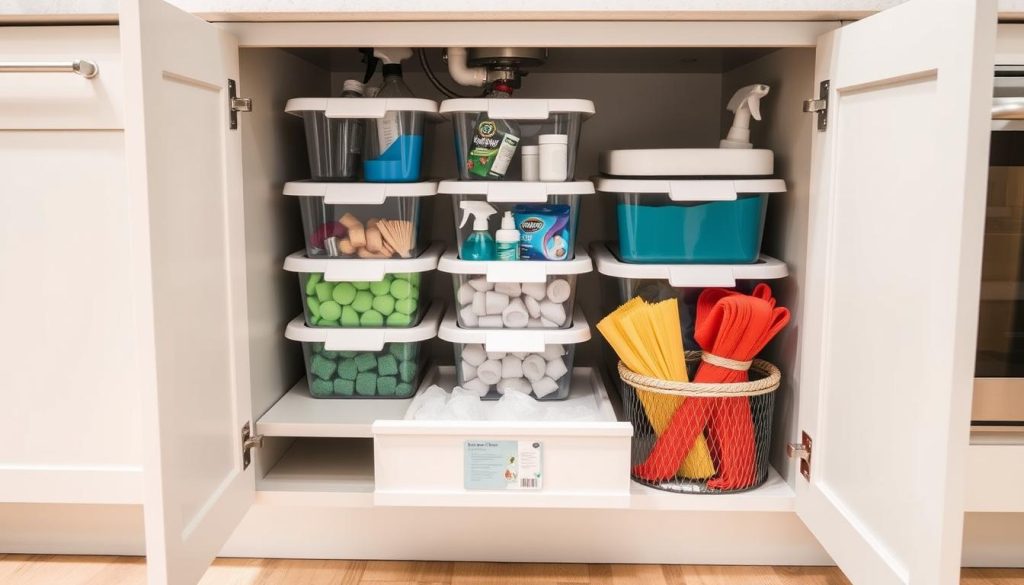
645	98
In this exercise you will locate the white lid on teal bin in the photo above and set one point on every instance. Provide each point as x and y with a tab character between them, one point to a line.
362	108
516	340
516	270
518	109
515	191
692	189
363	269
359	193
688	275
365	338
687	162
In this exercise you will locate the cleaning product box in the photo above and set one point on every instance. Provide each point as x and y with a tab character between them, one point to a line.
495	361
546	215
364	293
514	295
362	220
365	363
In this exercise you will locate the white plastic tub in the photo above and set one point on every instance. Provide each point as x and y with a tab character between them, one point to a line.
364	363
515	295
364	293
523	199
495	361
534	117
345	141
346	212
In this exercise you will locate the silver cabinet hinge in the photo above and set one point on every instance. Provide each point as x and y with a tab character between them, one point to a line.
236	104
249	442
820	106
802	451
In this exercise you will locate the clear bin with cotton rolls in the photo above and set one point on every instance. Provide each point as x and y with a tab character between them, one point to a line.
493	362
515	295
363	220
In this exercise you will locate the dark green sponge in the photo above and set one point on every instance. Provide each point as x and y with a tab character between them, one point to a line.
366	362
407	370
322	367
344	387
320	388
387	385
387	365
366	384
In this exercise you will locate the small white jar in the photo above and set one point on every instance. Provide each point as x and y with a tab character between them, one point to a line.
554	157
531	162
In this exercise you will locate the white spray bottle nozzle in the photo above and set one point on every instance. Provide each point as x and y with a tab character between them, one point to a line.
746	102
480	210
507	221
392	55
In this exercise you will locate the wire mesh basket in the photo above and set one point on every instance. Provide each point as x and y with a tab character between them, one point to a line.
700	437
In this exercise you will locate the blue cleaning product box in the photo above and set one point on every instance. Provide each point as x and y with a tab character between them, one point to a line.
543	231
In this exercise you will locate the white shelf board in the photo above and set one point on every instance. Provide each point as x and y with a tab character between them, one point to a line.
297	414
320	472
774	496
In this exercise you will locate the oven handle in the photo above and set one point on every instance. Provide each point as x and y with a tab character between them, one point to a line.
1008	108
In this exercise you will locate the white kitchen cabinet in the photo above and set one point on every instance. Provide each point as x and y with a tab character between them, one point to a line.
881	229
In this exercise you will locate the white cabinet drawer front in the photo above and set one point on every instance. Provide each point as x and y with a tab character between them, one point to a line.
584	464
33	100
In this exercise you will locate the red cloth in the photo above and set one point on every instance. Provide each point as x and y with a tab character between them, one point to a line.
734	326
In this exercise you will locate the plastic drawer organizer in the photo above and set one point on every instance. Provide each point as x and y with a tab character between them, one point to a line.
521	199
373	139
515	295
364	293
534	118
364	363
362	220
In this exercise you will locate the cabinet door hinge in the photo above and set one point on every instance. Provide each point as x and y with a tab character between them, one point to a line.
819	106
249	442
802	450
236	104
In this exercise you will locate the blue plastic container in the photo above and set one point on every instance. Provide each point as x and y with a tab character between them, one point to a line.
655	229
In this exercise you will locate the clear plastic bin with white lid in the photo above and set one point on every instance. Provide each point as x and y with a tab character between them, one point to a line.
335	154
524	294
365	363
494	361
345	211
512	196
534	117
364	293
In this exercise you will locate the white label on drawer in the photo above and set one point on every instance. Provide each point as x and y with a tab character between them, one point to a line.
503	465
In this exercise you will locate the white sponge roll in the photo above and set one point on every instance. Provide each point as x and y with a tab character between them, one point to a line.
490	322
553	312
534	367
535	290
511	367
544	387
552	351
515	316
477	386
474	354
489	372
481	284
556	369
532	306
468	371
479	304
559	290
495	302
512	289
514	385
465	294
468	316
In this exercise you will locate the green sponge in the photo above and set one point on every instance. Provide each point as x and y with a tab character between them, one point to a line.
400	289
407	370
330	311
363	301
387	385
381	287
311	281
331	355
366	384
347	369
347	354
366	361
314	306
384	305
349	317
371	318
399	350
344	387
406	306
321	388
322	367
399	320
344	293
403	389
387	365
361	285
324	290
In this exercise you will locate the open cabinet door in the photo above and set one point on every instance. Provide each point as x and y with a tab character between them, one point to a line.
184	165
897	217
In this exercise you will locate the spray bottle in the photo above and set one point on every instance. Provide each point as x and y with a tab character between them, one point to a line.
479	245
389	128
746	102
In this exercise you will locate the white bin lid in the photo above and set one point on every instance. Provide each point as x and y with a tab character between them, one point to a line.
359	193
692	189
687	162
517	270
518	109
361	108
371	270
688	275
525	340
364	338
515	191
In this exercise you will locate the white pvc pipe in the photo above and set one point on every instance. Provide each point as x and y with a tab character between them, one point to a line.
472	76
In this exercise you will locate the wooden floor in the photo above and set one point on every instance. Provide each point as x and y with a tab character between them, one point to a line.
77	570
